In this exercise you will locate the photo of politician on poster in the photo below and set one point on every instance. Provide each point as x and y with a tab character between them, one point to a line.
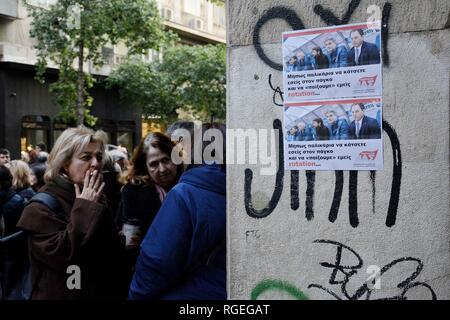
333	62
334	135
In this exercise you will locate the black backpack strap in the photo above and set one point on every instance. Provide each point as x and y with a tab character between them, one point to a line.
48	200
11	237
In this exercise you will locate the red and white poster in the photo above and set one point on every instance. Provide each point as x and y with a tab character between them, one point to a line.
332	98
332	63
334	135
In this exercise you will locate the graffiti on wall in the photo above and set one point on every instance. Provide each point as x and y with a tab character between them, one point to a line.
342	273
338	188
277	285
296	23
346	269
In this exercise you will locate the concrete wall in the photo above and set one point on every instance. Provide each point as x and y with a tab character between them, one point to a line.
402	212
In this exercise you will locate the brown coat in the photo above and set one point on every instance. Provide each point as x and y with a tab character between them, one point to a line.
83	235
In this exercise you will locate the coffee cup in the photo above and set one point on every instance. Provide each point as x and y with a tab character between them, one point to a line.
131	233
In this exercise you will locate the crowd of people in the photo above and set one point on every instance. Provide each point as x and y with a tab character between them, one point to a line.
140	226
362	127
337	56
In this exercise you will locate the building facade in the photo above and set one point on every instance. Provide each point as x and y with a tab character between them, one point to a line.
27	111
196	22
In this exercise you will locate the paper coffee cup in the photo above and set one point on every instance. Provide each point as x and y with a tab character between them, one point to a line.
130	230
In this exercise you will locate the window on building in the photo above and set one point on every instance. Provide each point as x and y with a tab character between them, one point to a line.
35	129
42	3
192	7
196	24
166	13
152	55
108	55
219	15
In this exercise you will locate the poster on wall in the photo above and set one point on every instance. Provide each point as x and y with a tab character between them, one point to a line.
334	135
333	62
333	98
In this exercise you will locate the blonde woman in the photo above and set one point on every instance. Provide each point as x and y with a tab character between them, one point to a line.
22	178
75	249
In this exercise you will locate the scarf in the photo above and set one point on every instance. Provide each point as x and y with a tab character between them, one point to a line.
162	193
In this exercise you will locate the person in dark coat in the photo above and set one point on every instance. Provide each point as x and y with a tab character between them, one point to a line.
40	147
14	266
38	167
111	173
362	53
22	179
337	55
363	127
338	127
146	183
291	64
319	131
303	61
319	61
75	251
303	133
183	255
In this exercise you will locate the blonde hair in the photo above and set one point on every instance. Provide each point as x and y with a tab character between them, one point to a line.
21	174
71	142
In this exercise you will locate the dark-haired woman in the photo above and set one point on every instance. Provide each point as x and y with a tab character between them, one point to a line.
183	255
146	183
320	61
320	132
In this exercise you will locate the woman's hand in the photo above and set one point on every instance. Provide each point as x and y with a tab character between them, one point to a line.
92	188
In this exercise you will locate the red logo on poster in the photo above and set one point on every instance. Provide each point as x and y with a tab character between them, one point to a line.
369	155
367	81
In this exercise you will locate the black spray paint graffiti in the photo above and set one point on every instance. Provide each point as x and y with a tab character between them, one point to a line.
329	18
274	13
372	180
252	212
342	274
338	189
276	92
385	32
326	15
